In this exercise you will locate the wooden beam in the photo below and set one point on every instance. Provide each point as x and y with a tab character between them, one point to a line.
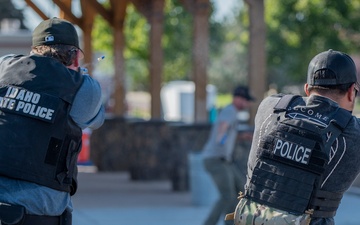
36	9
108	15
67	11
63	14
144	7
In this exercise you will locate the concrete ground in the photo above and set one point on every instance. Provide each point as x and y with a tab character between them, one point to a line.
113	199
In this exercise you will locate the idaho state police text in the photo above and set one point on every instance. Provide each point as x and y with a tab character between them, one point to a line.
25	102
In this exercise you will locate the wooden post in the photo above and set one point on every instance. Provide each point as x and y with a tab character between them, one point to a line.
88	21
119	95
257	56
200	57
156	56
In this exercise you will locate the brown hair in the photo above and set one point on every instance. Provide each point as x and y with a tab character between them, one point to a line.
66	54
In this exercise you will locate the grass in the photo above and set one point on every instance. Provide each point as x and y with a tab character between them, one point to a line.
222	100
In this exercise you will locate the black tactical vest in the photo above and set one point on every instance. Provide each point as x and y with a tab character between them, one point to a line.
293	156
39	141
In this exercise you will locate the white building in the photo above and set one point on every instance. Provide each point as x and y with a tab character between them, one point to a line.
178	101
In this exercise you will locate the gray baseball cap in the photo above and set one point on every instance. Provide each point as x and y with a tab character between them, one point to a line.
331	68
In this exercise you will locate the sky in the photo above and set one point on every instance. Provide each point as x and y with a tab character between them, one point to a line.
222	9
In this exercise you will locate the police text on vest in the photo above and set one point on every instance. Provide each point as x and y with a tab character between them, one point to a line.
26	103
292	151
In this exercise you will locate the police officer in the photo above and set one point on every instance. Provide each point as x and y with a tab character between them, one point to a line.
45	102
304	154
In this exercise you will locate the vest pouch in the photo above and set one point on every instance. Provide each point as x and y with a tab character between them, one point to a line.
11	214
248	212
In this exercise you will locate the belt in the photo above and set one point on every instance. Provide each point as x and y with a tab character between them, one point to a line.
39	220
15	215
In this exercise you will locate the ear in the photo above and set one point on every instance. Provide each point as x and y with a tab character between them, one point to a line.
351	93
76	60
306	89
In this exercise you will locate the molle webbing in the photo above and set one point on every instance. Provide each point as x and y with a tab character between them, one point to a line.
293	187
325	203
293	134
285	177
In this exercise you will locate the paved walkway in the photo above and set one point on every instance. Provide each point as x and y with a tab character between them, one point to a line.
113	199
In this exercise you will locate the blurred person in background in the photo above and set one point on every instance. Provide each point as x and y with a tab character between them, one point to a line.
218	155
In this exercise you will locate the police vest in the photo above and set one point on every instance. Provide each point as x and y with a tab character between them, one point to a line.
39	141
292	158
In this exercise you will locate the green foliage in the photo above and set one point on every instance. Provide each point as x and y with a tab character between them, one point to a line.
176	42
222	100
299	29
296	31
228	67
102	36
136	52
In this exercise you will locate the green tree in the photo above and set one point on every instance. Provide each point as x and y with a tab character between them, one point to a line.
176	42
137	49
299	29
228	61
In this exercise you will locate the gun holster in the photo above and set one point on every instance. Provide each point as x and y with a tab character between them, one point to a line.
11	214
66	218
16	215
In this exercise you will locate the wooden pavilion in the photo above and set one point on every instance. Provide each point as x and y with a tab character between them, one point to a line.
152	10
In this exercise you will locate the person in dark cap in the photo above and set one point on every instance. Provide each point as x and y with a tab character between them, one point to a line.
304	153
45	102
218	155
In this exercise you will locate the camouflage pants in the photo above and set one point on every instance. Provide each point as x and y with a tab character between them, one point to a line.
252	213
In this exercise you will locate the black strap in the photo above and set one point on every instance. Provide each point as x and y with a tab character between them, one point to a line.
342	118
63	219
284	102
41	220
